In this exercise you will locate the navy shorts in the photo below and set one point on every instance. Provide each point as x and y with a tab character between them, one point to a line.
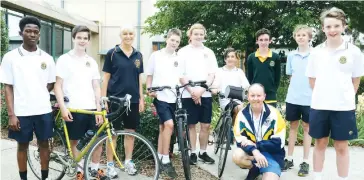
165	110
196	112
272	167
80	125
340	125
129	119
296	112
42	125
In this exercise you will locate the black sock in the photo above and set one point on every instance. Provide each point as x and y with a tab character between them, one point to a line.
44	174
23	175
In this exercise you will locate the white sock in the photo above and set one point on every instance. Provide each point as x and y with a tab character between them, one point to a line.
194	151
202	151
110	164
165	159
127	161
160	156
305	160
318	175
289	158
343	178
94	166
80	169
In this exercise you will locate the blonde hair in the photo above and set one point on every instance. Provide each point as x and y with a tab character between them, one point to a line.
302	27
333	13
195	26
127	27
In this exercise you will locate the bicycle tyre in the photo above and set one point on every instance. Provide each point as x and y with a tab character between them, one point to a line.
32	161
182	141
138	136
218	131
225	139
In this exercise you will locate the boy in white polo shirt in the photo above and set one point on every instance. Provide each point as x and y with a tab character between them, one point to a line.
78	78
29	74
334	70
298	99
163	70
198	64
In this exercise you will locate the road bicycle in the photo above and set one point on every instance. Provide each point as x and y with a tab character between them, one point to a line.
62	161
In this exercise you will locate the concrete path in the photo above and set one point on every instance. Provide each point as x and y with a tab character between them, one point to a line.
233	172
9	165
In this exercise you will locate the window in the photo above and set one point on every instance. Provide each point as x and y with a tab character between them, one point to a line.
67	40
58	42
158	45
45	41
13	25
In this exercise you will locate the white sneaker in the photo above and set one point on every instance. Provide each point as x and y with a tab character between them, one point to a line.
130	168
111	172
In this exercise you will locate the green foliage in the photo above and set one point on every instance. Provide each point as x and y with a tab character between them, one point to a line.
216	111
4	48
361	86
234	23
149	123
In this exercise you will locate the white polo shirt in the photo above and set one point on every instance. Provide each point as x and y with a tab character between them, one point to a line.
197	64
165	69
230	77
334	70
77	74
29	73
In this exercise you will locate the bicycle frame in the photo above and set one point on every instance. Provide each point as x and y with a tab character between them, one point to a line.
104	126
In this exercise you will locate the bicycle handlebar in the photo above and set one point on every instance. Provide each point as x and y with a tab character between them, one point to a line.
190	83
122	102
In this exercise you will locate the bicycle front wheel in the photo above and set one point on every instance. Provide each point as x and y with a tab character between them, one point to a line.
57	149
143	153
183	145
225	139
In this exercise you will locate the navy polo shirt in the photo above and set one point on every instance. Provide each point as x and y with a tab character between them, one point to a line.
124	72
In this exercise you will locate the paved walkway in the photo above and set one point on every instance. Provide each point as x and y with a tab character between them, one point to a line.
9	165
233	172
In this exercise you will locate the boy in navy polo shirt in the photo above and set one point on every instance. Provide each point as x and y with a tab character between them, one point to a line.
29	75
123	70
334	70
298	99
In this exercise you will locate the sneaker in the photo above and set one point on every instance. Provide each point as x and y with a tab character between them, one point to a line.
130	168
99	174
111	172
304	168
79	176
193	159
169	170
287	164
206	158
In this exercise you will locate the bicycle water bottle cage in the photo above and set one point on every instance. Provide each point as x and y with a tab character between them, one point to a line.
234	92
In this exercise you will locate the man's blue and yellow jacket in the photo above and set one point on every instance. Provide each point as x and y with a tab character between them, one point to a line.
273	132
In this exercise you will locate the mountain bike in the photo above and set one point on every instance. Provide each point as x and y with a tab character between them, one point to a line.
183	137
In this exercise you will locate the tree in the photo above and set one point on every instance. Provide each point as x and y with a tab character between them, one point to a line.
234	23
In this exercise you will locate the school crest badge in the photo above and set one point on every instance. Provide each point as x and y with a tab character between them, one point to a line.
43	65
350	132
88	64
272	63
137	63
342	60
175	63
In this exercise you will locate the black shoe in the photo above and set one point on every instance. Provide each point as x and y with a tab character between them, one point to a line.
206	158
304	168
287	165
193	159
169	170
253	173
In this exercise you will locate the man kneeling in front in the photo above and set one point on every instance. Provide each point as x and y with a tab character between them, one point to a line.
260	132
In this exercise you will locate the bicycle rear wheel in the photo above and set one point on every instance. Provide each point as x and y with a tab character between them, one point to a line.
57	148
144	156
183	146
225	139
217	134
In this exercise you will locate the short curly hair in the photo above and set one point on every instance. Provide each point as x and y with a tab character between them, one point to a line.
28	20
